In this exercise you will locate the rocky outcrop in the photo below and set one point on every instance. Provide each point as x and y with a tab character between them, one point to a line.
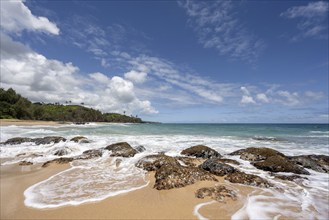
25	163
280	164
247	179
61	160
189	161
201	151
154	162
18	140
218	193
62	151
80	139
48	140
140	149
171	176
122	149
319	163
89	154
289	177
256	154
214	166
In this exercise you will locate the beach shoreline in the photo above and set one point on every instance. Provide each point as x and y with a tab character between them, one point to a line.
18	122
144	203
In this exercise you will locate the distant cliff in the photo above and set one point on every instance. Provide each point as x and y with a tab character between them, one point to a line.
13	105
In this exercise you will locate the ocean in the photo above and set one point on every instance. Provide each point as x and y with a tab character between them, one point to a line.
99	178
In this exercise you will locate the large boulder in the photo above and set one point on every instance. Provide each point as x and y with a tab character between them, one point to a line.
247	179
17	140
219	193
154	162
280	164
121	149
201	151
319	163
171	176
214	166
256	154
80	139
48	140
89	154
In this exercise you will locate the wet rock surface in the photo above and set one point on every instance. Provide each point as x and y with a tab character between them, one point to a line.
170	176
218	193
201	151
154	162
256	154
62	151
319	163
80	139
25	163
289	177
89	154
61	160
121	149
17	140
48	140
280	164
247	179
214	166
140	149
189	161
230	161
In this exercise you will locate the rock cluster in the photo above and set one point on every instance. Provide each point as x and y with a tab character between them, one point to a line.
37	141
219	193
201	151
215	166
247	179
122	149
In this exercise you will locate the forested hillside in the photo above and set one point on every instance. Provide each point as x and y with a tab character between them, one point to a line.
13	105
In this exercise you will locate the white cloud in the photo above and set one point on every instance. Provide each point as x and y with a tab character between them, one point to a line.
313	19
262	98
247	100
217	27
290	99
245	90
16	17
314	95
41	79
137	77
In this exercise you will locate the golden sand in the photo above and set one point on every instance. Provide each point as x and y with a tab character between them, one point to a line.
145	203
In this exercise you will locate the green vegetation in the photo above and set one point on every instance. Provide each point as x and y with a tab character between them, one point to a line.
13	105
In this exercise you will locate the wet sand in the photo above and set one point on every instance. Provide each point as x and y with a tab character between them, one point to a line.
145	203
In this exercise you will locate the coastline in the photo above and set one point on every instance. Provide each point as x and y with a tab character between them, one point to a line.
145	203
18	122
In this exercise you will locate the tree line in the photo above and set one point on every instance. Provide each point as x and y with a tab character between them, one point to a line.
15	106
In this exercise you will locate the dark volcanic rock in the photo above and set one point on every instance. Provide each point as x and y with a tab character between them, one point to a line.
48	140
89	154
62	160
280	164
80	139
62	151
319	163
201	151
218	193
140	149
17	140
171	176
216	167
154	162
25	163
122	149
256	154
247	179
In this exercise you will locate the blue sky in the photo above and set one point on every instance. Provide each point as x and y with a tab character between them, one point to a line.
172	61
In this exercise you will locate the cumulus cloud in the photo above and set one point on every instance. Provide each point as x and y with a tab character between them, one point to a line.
246	98
217	27
135	76
16	17
290	99
313	19
262	98
48	80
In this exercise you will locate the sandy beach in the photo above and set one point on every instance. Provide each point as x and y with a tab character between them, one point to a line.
146	203
17	122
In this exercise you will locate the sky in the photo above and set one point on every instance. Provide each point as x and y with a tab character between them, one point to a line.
172	61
